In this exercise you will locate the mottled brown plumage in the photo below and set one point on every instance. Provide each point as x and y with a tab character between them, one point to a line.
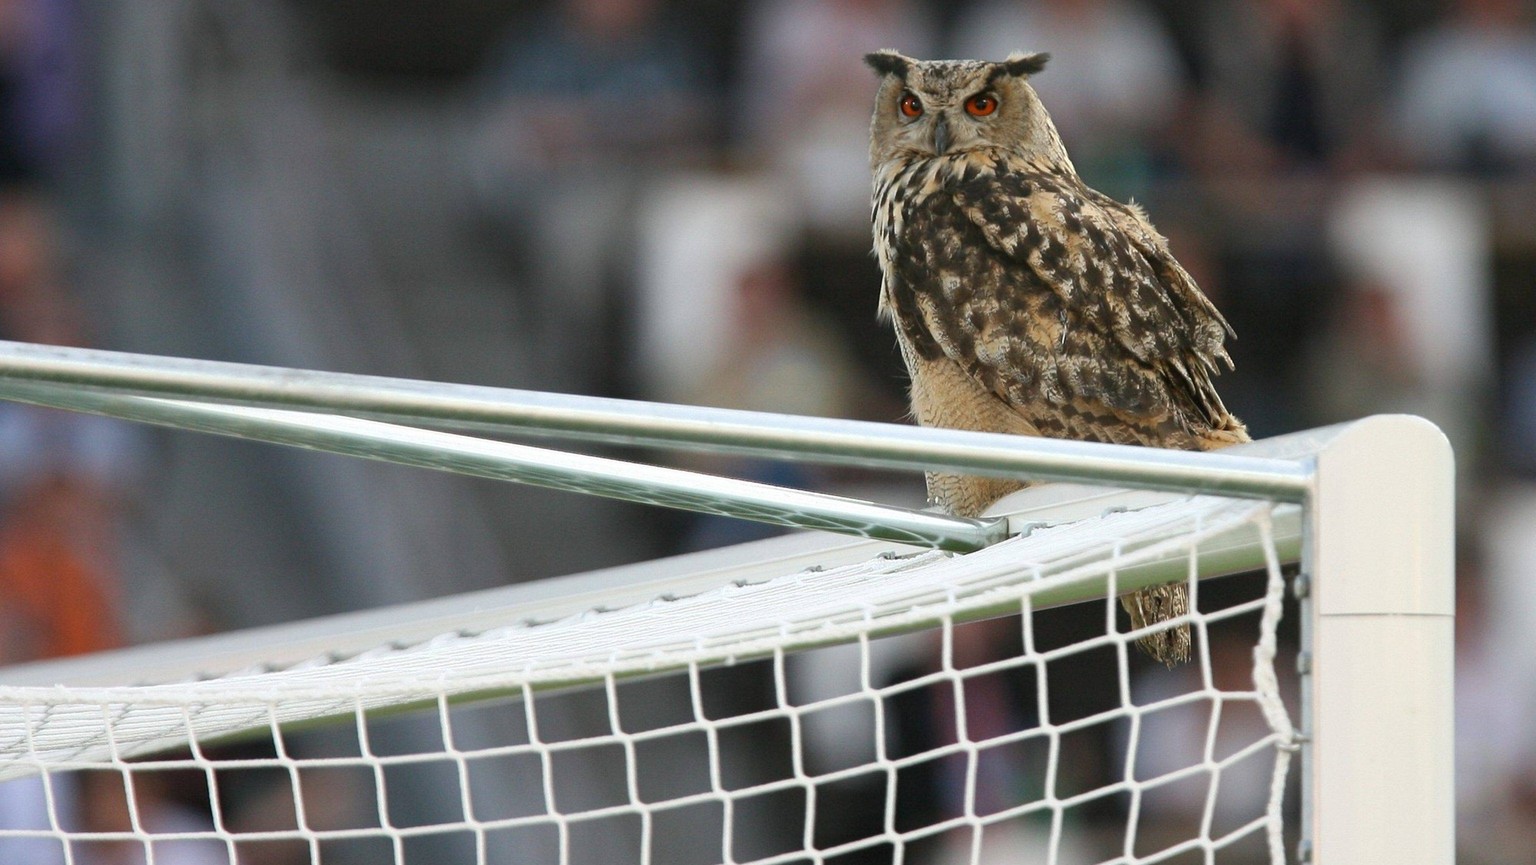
1025	302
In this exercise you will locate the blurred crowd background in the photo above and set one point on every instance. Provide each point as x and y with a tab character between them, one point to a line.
668	199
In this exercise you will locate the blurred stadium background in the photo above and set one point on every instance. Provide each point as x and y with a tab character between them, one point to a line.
667	199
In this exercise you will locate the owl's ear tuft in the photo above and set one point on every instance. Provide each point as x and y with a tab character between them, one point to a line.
1020	64
888	62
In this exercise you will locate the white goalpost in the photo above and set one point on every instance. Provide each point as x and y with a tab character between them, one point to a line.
892	686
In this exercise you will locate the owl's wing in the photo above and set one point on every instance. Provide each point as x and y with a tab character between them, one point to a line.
1068	306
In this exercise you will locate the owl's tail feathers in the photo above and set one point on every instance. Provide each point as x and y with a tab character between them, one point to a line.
1156	604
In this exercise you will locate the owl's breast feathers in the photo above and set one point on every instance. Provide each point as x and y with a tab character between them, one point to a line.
1064	303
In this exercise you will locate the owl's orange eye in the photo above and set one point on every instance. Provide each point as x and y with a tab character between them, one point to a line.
910	105
981	105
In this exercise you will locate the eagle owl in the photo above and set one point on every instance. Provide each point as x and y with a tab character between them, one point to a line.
1025	302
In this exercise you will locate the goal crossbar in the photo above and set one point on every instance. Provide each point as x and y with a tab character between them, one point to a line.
634	422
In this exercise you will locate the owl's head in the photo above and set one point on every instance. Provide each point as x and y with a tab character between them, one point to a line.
932	108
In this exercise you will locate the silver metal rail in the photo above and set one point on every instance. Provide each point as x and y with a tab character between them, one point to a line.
542	467
504	411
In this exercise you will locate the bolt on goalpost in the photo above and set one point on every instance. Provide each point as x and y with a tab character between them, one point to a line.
1377	589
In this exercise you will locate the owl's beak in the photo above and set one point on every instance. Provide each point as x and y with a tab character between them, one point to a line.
940	136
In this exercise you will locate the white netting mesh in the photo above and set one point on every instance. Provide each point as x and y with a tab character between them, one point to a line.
765	722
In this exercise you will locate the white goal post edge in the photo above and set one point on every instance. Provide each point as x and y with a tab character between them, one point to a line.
1378	628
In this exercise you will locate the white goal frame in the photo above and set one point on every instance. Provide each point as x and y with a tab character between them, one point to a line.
1374	539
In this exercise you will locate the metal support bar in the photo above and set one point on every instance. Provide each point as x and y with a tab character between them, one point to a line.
629	422
537	466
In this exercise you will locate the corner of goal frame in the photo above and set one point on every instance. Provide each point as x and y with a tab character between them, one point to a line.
1379	668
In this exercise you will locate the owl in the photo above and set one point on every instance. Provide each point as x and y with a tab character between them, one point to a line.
1025	302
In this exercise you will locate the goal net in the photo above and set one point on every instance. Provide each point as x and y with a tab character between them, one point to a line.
809	699
898	709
